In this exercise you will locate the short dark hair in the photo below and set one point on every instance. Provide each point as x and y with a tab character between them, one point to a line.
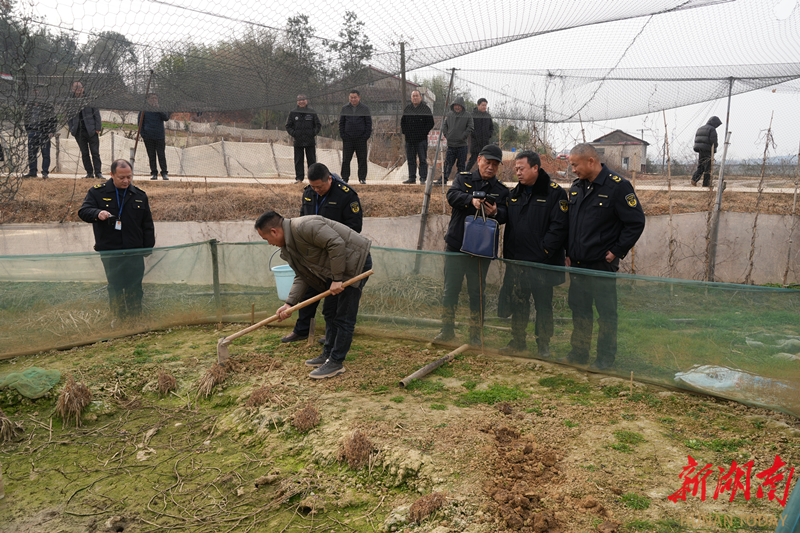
317	172
533	158
120	163
482	100
585	150
268	220
355	91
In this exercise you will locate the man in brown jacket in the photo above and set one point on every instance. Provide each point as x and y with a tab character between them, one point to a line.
323	254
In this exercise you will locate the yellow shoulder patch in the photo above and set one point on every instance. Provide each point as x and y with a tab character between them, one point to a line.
99	185
616	178
306	199
344	187
355	207
554	185
564	205
631	199
573	193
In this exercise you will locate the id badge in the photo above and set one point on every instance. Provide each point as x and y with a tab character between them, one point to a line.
118	225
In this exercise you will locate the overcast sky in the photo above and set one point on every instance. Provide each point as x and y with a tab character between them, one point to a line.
740	32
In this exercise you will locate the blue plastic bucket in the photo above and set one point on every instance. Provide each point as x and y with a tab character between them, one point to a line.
284	277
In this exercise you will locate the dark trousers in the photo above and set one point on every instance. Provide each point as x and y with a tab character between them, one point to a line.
414	151
340	312
358	147
303	325
311	158
526	283
89	144
124	274
457	156
156	148
456	267
585	290
703	169
475	147
38	141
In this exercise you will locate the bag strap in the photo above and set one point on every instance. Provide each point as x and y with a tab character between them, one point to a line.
483	213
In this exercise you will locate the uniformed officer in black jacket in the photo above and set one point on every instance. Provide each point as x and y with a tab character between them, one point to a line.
327	196
123	226
303	125
605	221
536	232
460	197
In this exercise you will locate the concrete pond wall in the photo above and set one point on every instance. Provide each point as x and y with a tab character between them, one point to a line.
777	242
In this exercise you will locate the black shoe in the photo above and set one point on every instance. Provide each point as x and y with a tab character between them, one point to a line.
573	359
293	337
513	348
44	175
30	175
362	182
422	181
346	180
321	341
154	177
88	176
438	182
447	334
164	176
99	176
543	350
410	181
600	366
299	180
317	361
328	370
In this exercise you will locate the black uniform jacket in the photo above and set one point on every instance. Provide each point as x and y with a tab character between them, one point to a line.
303	125
537	224
460	199
416	123
137	222
606	217
341	204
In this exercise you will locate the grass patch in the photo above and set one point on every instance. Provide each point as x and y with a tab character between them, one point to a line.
470	385
381	388
624	448
634	501
493	395
438	407
397	399
628	437
570	424
443	371
425	386
563	383
725	445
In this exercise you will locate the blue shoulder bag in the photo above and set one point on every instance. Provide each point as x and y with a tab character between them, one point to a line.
481	236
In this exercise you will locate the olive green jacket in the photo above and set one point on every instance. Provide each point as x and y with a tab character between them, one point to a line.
320	250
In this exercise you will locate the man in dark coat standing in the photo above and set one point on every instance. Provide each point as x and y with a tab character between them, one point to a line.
303	125
154	137
85	126
605	221
416	123
457	265
482	134
123	227
355	128
536	232
40	124
705	144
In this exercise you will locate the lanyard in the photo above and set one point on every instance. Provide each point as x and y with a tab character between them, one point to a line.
119	216
319	204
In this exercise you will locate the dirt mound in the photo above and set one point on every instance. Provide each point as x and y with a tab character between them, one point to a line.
522	468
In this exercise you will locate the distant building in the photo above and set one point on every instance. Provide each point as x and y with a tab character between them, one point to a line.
622	151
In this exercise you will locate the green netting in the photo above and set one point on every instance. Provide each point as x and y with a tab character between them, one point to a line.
733	341
32	382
